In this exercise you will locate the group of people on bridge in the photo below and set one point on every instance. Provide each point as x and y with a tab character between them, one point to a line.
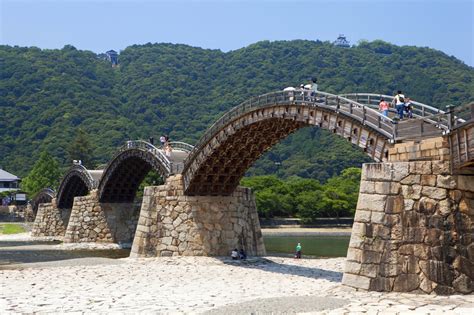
309	89
402	104
165	144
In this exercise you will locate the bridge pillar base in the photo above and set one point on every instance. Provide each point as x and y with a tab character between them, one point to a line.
50	220
413	230
173	224
93	221
29	214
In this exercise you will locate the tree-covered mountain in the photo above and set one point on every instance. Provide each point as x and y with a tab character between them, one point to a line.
47	96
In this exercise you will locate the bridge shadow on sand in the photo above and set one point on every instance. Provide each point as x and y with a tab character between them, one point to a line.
268	265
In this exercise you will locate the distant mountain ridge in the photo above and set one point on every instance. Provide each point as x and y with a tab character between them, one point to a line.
46	95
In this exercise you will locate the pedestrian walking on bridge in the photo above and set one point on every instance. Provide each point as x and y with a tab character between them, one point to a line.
399	101
383	107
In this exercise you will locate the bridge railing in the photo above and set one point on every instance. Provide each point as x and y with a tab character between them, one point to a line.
146	146
43	192
87	175
459	116
364	114
431	114
178	145
462	139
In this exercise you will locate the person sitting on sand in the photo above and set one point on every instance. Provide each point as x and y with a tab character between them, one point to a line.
242	254
234	254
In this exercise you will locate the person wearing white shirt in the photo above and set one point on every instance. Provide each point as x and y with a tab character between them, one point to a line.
399	101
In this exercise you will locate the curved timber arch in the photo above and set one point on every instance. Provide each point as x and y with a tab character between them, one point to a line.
230	146
44	196
78	181
127	169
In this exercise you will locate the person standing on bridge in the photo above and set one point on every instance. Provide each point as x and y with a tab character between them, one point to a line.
314	86
168	150
408	108
383	107
399	101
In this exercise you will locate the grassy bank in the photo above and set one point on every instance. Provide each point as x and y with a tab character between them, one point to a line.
11	228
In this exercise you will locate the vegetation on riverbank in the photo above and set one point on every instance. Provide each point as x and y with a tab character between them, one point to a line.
11	228
306	198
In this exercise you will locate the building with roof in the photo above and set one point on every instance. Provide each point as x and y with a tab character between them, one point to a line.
8	182
112	56
342	41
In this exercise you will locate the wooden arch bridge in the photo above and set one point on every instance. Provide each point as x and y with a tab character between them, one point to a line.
215	165
424	168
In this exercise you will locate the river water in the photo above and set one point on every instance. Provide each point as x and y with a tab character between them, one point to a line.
312	246
25	252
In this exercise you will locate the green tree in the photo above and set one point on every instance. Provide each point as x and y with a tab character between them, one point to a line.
153	178
45	174
258	183
304	197
345	188
81	149
309	205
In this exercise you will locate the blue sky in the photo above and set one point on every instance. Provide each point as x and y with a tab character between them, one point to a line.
96	25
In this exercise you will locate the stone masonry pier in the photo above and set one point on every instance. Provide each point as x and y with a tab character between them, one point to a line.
413	229
93	221
50	220
174	224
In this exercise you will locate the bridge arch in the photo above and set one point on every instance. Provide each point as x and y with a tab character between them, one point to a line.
78	181
230	146
45	195
127	169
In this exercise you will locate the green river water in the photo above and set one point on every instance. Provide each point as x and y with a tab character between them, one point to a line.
21	252
318	245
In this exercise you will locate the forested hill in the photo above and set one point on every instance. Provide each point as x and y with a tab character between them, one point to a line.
47	95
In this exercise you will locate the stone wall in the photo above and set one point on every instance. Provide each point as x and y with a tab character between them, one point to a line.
50	220
173	224
92	221
413	230
29	214
428	149
16	213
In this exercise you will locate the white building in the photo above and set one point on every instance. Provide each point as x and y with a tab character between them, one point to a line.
8	182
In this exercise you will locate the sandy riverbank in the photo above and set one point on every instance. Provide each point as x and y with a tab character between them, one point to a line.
203	285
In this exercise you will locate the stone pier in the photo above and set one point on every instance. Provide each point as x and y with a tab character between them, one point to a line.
413	229
93	221
50	220
173	224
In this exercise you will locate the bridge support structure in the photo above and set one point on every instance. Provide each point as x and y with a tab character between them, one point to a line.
173	224
413	227
93	221
50	220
